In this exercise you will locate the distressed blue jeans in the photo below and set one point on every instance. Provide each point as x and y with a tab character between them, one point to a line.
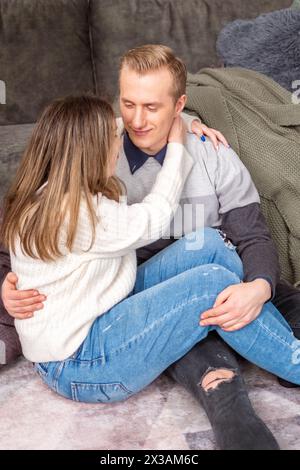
158	323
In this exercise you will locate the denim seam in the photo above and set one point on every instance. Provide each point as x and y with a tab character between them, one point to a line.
274	335
155	323
76	386
56	375
87	362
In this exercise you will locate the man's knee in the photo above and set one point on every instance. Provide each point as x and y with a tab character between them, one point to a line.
213	378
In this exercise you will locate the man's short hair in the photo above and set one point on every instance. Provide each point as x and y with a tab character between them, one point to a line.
152	57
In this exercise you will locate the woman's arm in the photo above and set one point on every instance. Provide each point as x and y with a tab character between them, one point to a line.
121	227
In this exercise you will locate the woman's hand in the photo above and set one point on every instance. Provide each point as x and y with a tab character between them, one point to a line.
238	305
20	304
200	130
178	131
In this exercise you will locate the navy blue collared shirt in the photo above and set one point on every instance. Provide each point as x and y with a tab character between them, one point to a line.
136	157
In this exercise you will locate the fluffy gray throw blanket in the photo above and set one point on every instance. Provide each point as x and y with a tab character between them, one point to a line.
269	44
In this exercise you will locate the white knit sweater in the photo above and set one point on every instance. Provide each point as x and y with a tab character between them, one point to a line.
82	285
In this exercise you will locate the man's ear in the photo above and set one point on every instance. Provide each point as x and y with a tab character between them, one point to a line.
180	104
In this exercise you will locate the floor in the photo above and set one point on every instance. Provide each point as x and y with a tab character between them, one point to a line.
164	416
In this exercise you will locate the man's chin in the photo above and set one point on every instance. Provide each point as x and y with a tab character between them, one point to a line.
141	140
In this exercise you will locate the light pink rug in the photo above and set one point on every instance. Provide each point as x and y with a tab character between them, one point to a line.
164	416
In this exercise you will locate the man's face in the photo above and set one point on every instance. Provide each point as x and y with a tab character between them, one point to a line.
148	108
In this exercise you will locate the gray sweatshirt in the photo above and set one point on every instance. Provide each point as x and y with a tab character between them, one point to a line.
218	193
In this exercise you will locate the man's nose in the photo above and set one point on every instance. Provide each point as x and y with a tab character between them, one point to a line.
138	121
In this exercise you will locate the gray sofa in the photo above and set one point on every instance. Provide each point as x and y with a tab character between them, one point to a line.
51	48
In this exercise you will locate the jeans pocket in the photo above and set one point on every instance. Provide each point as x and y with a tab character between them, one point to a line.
99	393
42	368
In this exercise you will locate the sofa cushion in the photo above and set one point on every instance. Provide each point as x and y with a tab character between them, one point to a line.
10	346
44	54
190	27
13	140
270	44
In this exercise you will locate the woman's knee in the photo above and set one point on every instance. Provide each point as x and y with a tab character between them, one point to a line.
212	278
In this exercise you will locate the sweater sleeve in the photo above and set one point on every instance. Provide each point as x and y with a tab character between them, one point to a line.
242	220
247	229
121	227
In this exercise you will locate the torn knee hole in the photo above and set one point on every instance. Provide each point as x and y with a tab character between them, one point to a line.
214	378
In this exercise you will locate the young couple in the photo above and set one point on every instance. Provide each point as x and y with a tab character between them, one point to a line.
108	328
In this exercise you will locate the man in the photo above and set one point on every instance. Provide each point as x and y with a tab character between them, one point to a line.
152	89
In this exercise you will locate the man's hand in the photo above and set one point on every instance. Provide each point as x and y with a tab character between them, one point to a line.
20	304
238	305
200	129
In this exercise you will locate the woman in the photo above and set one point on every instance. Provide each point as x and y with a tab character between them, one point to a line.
109	329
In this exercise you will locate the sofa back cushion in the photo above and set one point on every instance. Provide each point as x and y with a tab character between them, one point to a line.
44	54
190	27
59	47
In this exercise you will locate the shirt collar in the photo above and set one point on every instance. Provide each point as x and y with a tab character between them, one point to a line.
136	157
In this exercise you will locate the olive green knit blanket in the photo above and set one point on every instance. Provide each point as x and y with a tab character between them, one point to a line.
261	121
296	4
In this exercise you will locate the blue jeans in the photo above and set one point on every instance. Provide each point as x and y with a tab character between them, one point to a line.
158	323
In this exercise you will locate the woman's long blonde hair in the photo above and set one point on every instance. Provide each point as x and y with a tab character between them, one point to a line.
69	149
